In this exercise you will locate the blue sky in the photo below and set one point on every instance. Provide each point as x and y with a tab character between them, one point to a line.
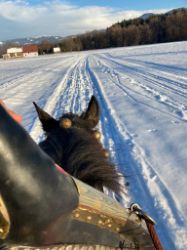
31	18
128	4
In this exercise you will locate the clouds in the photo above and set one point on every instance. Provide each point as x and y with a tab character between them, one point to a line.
21	19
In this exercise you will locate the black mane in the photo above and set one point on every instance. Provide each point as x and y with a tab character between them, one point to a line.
71	142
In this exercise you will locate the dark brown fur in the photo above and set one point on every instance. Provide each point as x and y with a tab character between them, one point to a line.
77	150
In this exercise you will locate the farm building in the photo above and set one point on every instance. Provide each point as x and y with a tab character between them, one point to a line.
30	50
13	53
56	50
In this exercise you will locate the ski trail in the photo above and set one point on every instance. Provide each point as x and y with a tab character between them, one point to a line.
147	182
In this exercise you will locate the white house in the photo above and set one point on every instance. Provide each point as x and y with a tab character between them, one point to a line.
56	50
13	53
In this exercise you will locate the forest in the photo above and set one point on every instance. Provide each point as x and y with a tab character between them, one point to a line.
168	27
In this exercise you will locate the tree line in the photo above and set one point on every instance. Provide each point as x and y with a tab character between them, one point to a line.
162	28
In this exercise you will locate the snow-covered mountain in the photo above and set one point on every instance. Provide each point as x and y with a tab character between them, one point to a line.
35	40
146	16
142	93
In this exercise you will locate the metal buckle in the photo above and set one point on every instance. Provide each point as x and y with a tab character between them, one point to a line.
138	210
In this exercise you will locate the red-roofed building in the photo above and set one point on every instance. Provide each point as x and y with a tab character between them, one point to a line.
30	50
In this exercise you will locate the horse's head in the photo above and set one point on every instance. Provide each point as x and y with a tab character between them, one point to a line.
73	143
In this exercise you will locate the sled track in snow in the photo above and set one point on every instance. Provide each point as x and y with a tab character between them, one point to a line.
173	107
21	73
71	95
130	164
137	68
51	102
76	94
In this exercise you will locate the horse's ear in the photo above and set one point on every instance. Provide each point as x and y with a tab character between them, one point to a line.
93	112
47	121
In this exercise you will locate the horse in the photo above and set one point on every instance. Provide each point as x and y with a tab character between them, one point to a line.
73	142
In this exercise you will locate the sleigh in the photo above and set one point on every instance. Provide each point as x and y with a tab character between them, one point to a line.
42	207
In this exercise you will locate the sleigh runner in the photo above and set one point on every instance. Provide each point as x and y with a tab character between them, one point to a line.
44	208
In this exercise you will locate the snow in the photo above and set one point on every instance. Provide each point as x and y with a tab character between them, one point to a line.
142	92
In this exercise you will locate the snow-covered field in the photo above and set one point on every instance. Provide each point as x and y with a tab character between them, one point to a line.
142	92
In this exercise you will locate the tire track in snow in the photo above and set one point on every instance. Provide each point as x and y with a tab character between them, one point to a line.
148	191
